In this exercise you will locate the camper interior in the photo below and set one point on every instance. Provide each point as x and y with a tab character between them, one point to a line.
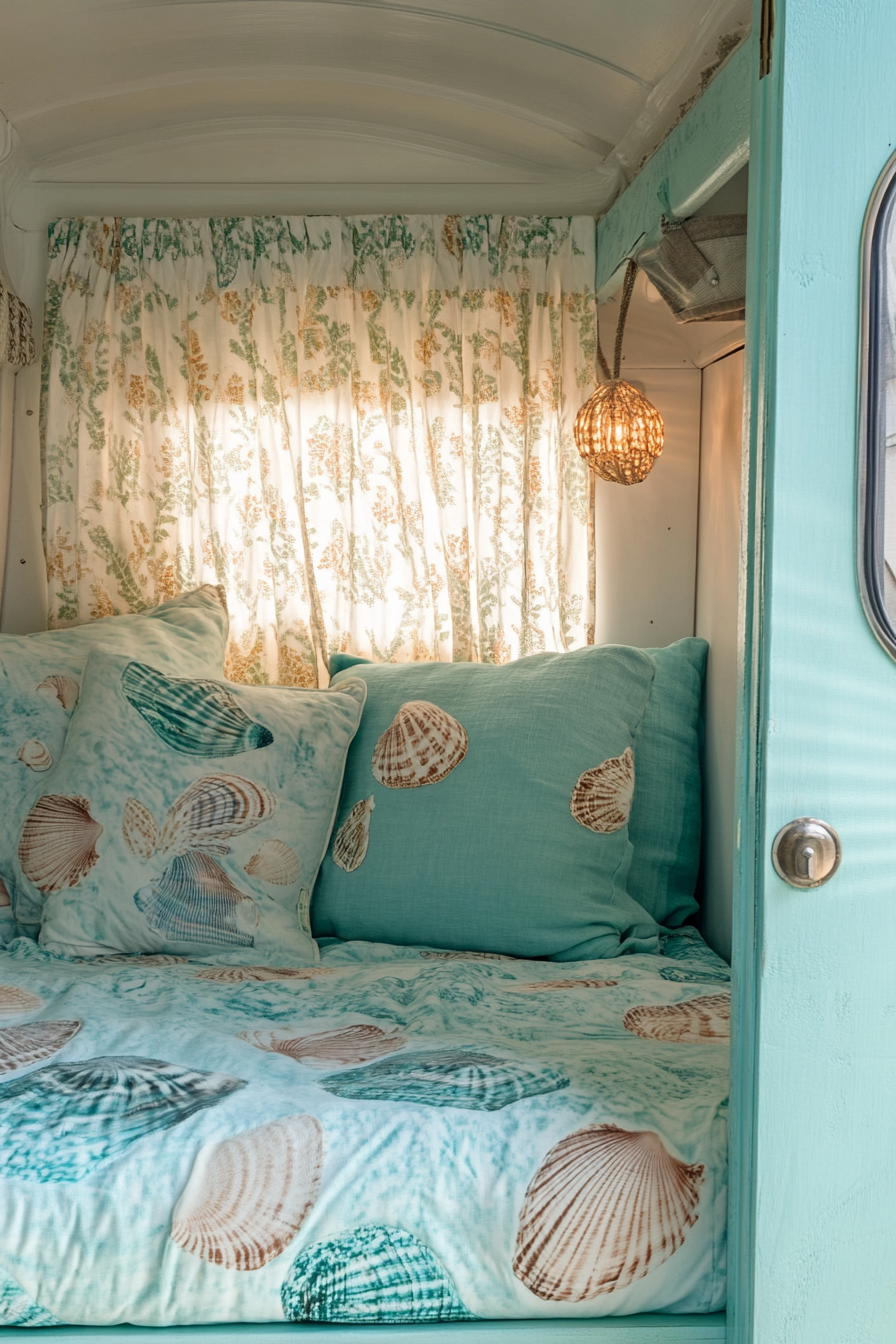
383	869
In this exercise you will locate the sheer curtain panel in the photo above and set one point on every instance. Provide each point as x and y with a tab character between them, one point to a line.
361	427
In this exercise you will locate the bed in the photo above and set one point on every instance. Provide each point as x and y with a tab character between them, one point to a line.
396	1134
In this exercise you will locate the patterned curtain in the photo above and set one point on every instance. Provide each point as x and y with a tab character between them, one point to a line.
362	428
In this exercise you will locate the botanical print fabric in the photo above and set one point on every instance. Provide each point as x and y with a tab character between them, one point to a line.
361	427
394	1135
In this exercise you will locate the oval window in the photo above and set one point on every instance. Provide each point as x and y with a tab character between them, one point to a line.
877	464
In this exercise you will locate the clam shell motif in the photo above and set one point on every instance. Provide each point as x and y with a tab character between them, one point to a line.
684	975
63	689
691	1023
58	844
199	718
212	810
421	746
62	1122
602	798
248	1196
194	901
35	755
462	1078
537	985
347	1045
136	959
373	1274
15	1002
606	1206
29	1044
18	1308
139	828
430	954
353	837
236	975
275	862
5	898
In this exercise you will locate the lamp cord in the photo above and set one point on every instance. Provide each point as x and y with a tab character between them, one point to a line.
628	285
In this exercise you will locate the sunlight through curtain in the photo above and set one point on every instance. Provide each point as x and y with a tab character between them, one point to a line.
362	428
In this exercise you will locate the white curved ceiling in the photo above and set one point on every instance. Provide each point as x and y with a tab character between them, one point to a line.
511	100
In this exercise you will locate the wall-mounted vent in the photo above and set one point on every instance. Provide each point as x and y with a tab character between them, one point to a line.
700	267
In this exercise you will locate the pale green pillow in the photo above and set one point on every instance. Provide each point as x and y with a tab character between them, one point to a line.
665	822
188	816
474	842
40	678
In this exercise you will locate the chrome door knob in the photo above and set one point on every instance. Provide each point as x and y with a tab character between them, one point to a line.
806	852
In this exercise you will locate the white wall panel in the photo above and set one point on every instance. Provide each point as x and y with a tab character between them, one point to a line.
717	621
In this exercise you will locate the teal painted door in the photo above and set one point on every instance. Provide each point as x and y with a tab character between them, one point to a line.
814	1132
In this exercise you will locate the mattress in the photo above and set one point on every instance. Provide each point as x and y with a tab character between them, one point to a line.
396	1134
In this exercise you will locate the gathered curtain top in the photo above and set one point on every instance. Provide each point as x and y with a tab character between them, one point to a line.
384	254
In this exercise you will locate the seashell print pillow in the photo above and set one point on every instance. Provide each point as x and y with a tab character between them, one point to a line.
187	816
665	821
487	808
40	678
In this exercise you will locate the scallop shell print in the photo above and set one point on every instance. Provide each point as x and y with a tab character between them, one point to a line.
462	1078
248	1196
606	1206
15	1002
691	1023
5	898
63	689
18	1308
371	1275
421	746
62	1122
139	829
346	1045
353	837
33	1042
275	862
683	975
58	844
235	975
214	809
602	798
199	718
194	901
35	755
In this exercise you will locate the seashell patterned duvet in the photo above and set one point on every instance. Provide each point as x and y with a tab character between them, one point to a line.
346	1045
29	1044
199	718
35	755
275	862
421	746
247	1197
353	837
698	976
691	1023
18	1308
371	1275
63	689
14	1002
605	1207
466	1079
62	1122
214	809
194	901
535	986
602	798
235	975
58	843
5	898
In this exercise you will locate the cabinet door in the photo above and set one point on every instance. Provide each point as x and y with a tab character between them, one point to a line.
814	1143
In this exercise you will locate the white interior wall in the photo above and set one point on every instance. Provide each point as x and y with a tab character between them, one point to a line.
718	556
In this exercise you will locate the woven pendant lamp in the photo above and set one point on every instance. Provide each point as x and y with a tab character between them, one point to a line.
618	431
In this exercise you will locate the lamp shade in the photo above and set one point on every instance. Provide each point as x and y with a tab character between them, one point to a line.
619	433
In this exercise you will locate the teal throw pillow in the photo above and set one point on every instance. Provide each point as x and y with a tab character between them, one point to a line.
187	816
486	808
40	678
665	822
